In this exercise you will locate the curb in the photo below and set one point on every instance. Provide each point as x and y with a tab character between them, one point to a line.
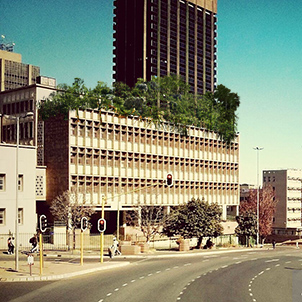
63	276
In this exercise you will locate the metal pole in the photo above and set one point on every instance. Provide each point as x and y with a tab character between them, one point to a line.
17	206
41	253
257	197
82	247
102	233
258	188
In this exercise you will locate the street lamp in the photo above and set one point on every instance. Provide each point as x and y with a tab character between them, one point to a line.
258	187
17	119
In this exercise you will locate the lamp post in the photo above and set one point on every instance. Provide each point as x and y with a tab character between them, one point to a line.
17	119
258	185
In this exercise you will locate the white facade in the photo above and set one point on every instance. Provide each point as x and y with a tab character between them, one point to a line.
287	185
26	188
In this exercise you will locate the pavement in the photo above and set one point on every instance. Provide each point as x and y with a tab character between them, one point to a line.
65	264
56	265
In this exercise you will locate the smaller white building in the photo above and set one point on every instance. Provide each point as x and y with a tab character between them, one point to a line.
26	196
287	185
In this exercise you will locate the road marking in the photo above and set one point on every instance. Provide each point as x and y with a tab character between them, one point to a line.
272	260
260	273
108	295
125	284
117	289
187	264
224	266
268	268
158	272
277	265
288	262
150	275
132	280
176	266
142	277
168	269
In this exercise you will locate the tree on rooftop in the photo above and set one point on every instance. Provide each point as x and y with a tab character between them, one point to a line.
162	101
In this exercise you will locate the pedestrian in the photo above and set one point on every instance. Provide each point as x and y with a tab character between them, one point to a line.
115	250
34	242
10	245
274	244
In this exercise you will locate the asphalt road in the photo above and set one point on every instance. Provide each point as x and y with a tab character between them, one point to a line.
256	276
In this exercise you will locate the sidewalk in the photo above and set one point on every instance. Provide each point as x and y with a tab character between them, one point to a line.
60	264
54	268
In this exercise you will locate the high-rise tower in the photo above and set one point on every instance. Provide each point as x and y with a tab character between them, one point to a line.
165	37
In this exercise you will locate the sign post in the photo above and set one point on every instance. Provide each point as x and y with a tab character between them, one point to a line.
84	225
30	262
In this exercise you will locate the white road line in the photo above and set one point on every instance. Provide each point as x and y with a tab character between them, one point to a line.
272	260
125	284
224	266
109	294
132	280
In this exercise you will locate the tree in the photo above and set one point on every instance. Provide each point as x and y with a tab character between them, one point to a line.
247	225
148	218
66	208
197	218
165	101
267	208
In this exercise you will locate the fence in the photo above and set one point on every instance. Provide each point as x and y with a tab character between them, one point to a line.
63	242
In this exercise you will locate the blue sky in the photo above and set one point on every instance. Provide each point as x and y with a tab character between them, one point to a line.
259	57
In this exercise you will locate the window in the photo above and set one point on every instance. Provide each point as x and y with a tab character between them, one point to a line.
20	216
2	182
2	216
20	183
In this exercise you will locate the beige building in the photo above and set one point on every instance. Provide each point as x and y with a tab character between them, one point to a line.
26	197
287	186
14	73
126	160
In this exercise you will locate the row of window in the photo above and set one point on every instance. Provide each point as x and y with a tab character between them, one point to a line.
3	182
3	216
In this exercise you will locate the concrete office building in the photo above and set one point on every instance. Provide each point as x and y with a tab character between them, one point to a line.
14	73
288	192
166	37
113	156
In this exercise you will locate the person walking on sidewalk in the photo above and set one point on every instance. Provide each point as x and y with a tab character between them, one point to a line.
34	242
113	250
10	245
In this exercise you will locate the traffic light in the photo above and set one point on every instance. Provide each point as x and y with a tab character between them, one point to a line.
102	225
84	224
169	180
43	223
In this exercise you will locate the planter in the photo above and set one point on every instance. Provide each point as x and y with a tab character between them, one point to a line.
184	245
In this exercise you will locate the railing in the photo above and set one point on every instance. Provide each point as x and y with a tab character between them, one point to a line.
64	242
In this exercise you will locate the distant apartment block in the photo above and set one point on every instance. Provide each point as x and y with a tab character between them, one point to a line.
126	160
288	191
166	37
15	74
